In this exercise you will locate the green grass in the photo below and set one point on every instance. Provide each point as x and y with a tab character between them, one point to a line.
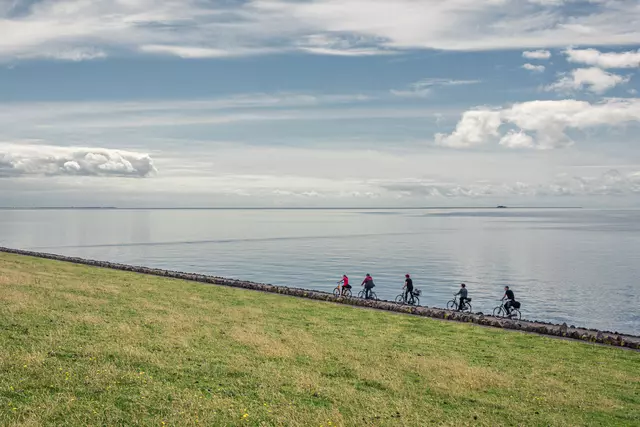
82	346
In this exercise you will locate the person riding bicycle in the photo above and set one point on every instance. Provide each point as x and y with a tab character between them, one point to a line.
368	285
511	299
408	287
463	296
345	284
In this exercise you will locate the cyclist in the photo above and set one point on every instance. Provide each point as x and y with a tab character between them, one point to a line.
511	299
368	285
463	296
408	288
345	284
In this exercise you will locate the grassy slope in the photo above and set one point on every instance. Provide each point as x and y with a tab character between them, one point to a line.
85	346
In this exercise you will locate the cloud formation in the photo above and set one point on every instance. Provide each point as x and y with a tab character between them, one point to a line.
610	183
534	68
538	124
83	30
423	88
594	57
536	54
591	79
22	160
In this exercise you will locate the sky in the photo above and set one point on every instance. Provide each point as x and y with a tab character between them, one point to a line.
319	103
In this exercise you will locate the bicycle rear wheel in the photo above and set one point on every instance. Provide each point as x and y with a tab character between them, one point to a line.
467	307
400	299
416	301
498	312
515	314
452	305
373	296
347	293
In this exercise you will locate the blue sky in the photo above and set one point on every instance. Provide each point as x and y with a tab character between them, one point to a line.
319	103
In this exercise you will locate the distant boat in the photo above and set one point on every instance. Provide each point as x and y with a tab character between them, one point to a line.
502	207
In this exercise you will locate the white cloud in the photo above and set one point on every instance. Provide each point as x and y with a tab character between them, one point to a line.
548	121
630	59
534	68
610	183
199	29
194	52
423	88
592	79
519	139
536	54
23	160
475	128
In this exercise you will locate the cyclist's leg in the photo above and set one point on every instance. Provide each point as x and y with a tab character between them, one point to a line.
461	304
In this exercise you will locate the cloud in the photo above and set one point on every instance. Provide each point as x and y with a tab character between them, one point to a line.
591	79
630	59
423	88
547	121
23	160
536	54
534	68
610	183
201	29
518	139
475	128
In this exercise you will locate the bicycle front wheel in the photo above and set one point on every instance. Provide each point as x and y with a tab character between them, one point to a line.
336	292
400	299
498	312
361	294
452	305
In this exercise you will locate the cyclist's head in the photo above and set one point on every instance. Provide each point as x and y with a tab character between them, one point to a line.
463	285
406	275
506	288
344	275
368	275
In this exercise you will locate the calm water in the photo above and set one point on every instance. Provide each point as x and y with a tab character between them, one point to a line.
576	266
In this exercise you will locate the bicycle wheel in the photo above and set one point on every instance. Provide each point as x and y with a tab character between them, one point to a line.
515	314
416	301
498	312
467	307
336	291
373	296
347	293
400	299
361	294
452	305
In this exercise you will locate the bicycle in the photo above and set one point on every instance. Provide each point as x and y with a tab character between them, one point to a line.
501	311
413	298
372	295
454	304
339	291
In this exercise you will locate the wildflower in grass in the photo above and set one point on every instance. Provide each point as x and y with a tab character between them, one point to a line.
245	416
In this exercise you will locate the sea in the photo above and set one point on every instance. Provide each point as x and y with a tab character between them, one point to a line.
579	266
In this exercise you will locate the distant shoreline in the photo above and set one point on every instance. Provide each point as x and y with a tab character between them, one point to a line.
63	208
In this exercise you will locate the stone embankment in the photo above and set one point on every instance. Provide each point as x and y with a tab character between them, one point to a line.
571	332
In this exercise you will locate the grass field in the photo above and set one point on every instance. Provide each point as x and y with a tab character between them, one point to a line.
82	346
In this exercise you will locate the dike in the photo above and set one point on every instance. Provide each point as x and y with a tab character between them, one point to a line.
555	330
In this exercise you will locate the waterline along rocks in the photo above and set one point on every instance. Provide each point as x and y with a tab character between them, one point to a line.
590	335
